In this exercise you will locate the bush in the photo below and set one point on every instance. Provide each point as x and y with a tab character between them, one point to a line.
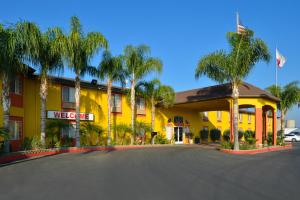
270	138
89	134
159	139
215	134
122	133
67	141
204	135
250	137
226	145
36	143
226	135
247	146
249	134
241	134
280	141
26	144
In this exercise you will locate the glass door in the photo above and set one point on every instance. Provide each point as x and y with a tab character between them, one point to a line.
178	135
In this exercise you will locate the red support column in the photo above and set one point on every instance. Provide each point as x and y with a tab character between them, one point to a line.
258	125
274	127
265	125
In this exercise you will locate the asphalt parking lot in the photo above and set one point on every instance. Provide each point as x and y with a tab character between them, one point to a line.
179	172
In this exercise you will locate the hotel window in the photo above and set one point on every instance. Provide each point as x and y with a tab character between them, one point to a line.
140	106
15	129
68	94
16	86
116	104
219	116
249	118
241	117
205	116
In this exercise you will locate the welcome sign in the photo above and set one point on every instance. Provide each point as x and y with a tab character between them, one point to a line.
69	115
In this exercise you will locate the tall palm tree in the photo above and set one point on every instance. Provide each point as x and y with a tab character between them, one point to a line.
45	54
289	96
234	66
11	63
78	49
111	69
157	94
138	64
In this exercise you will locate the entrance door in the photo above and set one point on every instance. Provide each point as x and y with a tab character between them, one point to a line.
178	135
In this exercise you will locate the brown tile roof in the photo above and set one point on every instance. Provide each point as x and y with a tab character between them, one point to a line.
221	91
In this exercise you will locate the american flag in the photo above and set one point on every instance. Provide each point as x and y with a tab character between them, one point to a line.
240	27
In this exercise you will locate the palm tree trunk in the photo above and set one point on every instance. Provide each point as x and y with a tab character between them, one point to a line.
152	118
109	84
43	96
6	108
235	96
77	105
132	110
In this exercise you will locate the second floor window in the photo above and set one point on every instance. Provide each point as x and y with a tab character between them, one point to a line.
116	103
241	117
249	118
68	94
16	86
140	106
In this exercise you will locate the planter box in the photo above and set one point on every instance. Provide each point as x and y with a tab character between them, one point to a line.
256	151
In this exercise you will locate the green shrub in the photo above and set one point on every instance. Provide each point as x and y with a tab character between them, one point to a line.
280	141
270	138
249	134
241	134
226	135
226	145
246	146
215	134
122	133
159	139
67	141
204	135
36	143
26	144
89	134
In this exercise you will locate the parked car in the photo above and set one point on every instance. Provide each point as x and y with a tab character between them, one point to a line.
292	137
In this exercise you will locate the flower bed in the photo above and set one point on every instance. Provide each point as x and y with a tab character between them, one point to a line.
258	150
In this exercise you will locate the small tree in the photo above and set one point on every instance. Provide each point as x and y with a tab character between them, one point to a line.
121	131
204	135
215	134
226	135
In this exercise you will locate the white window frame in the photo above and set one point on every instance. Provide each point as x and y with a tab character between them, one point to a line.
241	117
249	118
141	106
17	86
71	94
116	103
15	129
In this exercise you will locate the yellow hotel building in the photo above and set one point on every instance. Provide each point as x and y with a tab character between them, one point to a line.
204	108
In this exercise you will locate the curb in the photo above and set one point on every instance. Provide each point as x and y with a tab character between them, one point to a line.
256	151
46	152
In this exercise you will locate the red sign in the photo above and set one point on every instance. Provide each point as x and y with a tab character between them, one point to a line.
69	115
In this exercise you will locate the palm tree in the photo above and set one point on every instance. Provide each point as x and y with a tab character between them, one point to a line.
45	54
78	49
11	57
234	66
289	96
138	64
157	94
111	68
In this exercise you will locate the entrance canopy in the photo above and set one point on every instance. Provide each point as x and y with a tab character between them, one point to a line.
217	97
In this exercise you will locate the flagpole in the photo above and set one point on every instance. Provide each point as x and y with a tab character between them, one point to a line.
237	22
276	73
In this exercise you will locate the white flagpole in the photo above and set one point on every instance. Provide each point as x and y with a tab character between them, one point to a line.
276	73
237	22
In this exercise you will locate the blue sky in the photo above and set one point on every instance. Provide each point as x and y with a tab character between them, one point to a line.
178	32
